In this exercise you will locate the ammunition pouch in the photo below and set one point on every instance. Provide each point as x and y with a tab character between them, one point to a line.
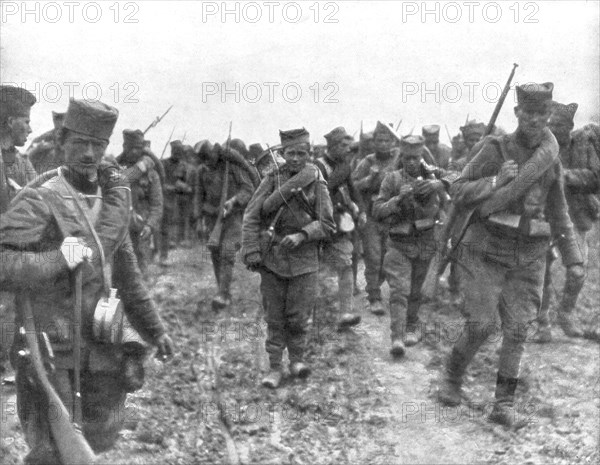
405	229
519	225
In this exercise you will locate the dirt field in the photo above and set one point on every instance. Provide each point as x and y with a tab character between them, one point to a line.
358	406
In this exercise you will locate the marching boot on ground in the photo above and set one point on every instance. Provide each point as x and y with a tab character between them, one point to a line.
288	215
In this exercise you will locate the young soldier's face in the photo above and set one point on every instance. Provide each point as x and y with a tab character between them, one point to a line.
532	121
432	139
340	150
561	128
471	140
411	160
83	154
383	143
296	157
19	129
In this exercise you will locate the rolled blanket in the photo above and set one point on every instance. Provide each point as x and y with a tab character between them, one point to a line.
309	174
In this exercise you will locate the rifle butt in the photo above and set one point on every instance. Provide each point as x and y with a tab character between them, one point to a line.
214	239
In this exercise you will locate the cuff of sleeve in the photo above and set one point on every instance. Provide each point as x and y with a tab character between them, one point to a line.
570	252
312	230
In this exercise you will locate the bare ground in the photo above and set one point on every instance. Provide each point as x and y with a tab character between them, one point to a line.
358	406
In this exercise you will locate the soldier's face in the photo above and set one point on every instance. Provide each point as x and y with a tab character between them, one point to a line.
383	143
561	128
340	150
19	129
132	153
411	160
432	139
83	154
471	140
296	157
532	121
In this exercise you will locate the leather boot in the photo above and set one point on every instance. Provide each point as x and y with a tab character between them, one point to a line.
504	412
299	370
376	307
450	390
273	379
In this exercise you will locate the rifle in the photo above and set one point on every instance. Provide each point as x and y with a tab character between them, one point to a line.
157	120
68	437
459	219
167	144
448	132
214	241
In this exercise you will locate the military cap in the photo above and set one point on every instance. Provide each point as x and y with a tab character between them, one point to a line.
473	127
564	111
240	146
58	118
367	135
15	101
431	130
412	141
133	138
293	137
382	128
91	118
533	96
337	135
255	150
203	148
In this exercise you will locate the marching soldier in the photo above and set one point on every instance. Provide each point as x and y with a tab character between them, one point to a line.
409	202
216	173
441	152
79	209
15	106
582	173
367	180
266	161
146	195
471	132
337	252
45	153
515	188
286	218
175	183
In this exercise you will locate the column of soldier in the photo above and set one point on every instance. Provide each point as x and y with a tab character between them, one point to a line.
293	210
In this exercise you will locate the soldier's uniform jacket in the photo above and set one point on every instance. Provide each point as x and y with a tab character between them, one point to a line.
146	199
338	175
30	240
410	217
544	202
175	182
293	219
582	170
441	154
45	154
368	189
18	168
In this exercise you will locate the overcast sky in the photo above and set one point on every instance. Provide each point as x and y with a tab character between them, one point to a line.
378	61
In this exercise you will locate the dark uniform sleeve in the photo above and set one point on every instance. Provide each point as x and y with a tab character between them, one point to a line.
252	221
361	177
245	186
140	308
557	213
24	264
324	226
385	204
585	180
155	201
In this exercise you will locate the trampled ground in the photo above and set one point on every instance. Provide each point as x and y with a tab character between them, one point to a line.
358	406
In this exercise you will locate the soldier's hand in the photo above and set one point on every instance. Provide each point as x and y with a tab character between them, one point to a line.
405	189
291	241
362	220
508	172
146	231
165	347
253	261
145	164
75	251
427	187
228	207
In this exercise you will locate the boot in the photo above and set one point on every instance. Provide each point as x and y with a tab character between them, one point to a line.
413	335
450	391
398	349
376	307
504	412
570	324
299	370
220	302
347	320
273	379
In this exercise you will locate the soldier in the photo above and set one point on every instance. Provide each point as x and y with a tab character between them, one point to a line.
15	106
367	180
582	172
175	182
471	132
146	195
185	199
266	162
80	208
208	199
337	252
45	153
287	217
515	187
409	202
441	152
